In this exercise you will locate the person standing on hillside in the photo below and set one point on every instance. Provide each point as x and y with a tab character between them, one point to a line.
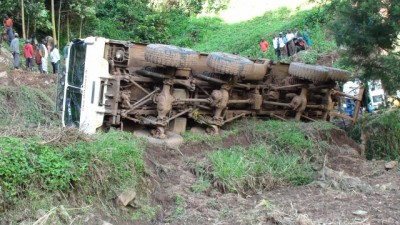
264	45
45	55
278	45
38	58
28	53
290	43
306	36
8	24
55	59
14	47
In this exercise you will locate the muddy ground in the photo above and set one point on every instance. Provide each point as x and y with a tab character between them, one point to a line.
348	190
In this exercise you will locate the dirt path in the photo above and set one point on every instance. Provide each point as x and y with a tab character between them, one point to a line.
348	190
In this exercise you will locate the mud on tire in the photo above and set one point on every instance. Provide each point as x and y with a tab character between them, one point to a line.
230	64
309	72
169	55
338	74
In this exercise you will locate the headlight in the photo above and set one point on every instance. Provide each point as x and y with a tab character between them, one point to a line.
119	56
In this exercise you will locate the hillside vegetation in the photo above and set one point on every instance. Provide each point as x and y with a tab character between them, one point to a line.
212	34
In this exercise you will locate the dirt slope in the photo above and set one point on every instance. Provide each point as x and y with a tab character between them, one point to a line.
347	190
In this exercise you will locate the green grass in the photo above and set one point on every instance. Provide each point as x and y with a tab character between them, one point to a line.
196	137
280	153
287	136
102	167
257	167
26	105
201	185
179	210
211	34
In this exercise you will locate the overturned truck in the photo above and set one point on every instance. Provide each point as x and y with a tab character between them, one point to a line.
109	83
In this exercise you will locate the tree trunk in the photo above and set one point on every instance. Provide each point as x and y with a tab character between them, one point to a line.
27	28
80	28
59	18
68	27
53	22
23	19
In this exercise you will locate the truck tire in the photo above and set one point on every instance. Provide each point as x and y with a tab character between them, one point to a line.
230	64
309	72
169	55
338	74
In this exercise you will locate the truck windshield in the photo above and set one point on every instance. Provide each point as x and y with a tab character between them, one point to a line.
76	70
72	106
76	64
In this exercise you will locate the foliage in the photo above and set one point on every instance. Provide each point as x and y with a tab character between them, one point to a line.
191	31
105	166
369	30
27	164
190	7
131	20
383	134
218	36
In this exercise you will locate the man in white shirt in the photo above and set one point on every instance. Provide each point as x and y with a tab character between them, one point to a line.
278	44
290	43
45	55
55	59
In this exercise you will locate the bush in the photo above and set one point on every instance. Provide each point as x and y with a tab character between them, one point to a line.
107	165
383	134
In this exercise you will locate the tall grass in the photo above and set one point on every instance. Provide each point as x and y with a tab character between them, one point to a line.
25	105
257	167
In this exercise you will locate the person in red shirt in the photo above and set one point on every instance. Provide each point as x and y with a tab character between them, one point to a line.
8	24
264	45
38	58
28	54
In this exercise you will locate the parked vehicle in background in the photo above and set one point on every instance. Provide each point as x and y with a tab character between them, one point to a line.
375	93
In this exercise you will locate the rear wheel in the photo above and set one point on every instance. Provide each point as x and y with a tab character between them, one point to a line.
338	74
230	64
169	55
309	72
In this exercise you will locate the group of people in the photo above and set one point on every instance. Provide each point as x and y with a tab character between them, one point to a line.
288	44
35	52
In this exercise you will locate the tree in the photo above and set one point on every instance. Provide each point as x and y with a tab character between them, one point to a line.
84	9
23	19
369	30
53	22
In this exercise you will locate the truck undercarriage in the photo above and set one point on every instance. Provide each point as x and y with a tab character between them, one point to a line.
166	87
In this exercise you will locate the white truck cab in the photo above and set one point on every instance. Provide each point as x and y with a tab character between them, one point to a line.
86	74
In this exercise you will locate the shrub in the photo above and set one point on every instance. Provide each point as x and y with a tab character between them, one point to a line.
383	134
107	165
